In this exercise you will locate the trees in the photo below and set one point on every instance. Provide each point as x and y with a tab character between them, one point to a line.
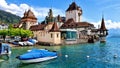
4	33
25	33
16	32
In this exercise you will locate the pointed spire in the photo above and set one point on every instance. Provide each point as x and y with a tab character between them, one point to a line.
103	25
25	14
50	16
59	18
50	13
55	28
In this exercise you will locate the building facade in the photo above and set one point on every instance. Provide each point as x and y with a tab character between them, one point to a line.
27	20
74	12
54	31
73	22
3	26
48	31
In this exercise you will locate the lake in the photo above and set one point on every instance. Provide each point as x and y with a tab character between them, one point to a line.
96	55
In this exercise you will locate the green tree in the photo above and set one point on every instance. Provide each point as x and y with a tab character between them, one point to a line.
4	33
16	32
25	33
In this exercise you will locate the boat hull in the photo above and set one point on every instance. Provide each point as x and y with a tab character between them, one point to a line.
38	60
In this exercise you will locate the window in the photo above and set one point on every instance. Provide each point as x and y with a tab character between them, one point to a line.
44	34
51	35
57	35
41	33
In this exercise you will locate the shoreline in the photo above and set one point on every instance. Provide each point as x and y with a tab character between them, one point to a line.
15	46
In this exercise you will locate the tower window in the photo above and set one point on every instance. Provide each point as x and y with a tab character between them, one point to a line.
51	35
57	35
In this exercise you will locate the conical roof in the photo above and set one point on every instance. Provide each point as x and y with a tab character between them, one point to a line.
103	25
25	14
55	28
50	13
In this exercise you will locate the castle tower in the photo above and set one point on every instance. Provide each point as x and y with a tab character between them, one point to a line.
50	16
55	34
103	32
59	18
28	20
74	12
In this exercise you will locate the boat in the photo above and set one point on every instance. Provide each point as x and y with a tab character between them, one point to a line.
5	49
37	55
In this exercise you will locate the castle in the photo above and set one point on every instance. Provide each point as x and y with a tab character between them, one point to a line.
54	30
27	20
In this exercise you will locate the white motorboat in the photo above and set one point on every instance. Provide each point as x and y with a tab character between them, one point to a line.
5	49
37	55
38	60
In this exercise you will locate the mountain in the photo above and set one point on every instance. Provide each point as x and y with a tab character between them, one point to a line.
6	17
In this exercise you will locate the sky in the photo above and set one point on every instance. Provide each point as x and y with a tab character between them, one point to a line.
93	10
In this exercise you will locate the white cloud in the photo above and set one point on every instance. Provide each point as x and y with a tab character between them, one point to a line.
40	12
109	24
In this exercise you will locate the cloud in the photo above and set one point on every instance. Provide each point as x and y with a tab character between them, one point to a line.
109	24
40	12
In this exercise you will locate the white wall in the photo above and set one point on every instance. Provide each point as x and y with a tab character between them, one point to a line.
73	14
3	27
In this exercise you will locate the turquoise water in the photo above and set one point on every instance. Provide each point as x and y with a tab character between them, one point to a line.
101	56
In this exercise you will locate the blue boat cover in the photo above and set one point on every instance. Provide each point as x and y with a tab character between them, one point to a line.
36	53
32	41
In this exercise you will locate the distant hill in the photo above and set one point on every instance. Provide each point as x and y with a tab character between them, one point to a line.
6	17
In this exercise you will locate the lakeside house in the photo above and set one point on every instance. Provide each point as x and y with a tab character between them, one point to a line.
56	30
3	26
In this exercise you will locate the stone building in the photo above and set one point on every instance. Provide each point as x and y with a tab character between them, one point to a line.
27	20
73	22
48	31
74	12
55	30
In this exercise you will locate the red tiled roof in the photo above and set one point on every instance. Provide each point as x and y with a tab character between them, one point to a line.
37	27
70	21
29	14
55	28
17	25
71	24
84	24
